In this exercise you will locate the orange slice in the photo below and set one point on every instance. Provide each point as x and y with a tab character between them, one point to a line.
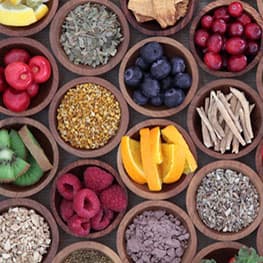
155	137
131	159
149	166
172	135
173	163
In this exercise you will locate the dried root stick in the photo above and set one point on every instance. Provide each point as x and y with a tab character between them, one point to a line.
235	146
242	119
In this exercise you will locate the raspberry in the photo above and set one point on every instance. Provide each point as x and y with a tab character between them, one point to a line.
114	198
86	203
79	226
97	179
66	209
102	219
68	185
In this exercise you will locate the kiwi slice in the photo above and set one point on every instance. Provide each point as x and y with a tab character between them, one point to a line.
32	175
17	145
4	139
11	166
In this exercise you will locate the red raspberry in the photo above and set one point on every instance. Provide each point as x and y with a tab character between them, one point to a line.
66	209
102	219
79	226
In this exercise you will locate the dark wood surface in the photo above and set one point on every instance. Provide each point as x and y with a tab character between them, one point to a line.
65	158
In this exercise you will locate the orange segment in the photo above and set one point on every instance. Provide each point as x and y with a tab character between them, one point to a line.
173	165
149	166
155	137
131	159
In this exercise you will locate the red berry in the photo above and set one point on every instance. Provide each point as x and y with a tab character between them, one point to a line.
215	43
221	13
219	26
16	55
253	31
235	9
236	29
3	84
213	60
79	226
244	19
237	63
252	48
66	209
206	21
102	219
32	90
235	46
201	37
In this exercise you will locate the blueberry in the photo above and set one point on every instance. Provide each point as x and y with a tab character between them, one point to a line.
139	98
173	97
178	65
160	69
141	64
183	80
151	52
166	83
157	101
133	76
150	87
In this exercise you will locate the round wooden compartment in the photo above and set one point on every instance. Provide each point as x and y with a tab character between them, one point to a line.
112	142
42	211
55	32
152	28
259	75
259	161
47	90
171	48
191	200
48	144
77	168
260	239
156	205
195	24
194	120
168	190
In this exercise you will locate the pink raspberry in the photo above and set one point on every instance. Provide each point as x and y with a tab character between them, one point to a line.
79	226
102	219
66	209
86	203
114	198
97	179
68	185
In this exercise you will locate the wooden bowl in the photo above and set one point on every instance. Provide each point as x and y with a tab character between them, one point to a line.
259	161
260	239
168	190
47	142
112	142
55	32
172	48
152	28
47	90
259	76
34	28
156	205
86	245
78	168
191	200
194	121
42	211
260	7
209	8
220	251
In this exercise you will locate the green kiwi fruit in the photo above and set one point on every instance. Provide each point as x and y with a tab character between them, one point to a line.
4	139
33	174
17	145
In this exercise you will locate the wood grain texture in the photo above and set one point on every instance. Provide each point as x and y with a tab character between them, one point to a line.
191	200
220	251
156	205
86	245
259	239
194	121
47	143
172	48
207	9
78	168
152	28
44	212
55	32
168	190
47	90
259	75
112	142
34	28
258	158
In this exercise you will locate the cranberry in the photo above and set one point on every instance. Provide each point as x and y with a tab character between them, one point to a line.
244	19
221	13
253	31
3	84
252	48
235	45
213	60
206	21
32	90
215	43
237	63
201	37
235	9
236	29
219	26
